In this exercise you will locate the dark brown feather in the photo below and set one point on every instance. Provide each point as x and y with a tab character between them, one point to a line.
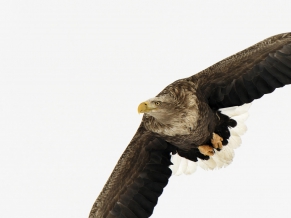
246	76
126	170
137	180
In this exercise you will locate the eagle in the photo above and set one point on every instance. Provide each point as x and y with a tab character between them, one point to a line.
195	121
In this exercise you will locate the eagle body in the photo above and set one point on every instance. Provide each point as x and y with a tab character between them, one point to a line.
182	126
187	115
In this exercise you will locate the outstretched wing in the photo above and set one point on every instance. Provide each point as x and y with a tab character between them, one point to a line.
137	180
234	81
247	75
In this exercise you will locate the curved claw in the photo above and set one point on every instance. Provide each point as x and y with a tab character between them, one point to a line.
206	150
216	141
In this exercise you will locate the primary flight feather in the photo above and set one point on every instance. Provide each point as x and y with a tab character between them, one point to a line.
193	121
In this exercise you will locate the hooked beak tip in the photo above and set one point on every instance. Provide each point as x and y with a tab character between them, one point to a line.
142	107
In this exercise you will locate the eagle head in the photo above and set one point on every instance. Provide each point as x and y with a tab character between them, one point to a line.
161	107
172	105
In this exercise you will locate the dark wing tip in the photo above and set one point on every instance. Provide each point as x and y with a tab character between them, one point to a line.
142	195
274	71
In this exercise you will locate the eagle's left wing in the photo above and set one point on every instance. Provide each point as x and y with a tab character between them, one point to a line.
247	75
232	82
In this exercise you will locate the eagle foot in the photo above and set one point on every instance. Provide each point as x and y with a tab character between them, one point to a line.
216	141
206	150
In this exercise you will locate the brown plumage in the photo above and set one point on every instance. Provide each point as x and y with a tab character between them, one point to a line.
184	116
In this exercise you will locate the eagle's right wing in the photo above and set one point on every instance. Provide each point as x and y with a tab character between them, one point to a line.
137	180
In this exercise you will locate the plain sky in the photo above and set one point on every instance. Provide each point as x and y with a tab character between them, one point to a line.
72	74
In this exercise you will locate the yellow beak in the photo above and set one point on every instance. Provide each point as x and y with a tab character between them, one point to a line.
143	107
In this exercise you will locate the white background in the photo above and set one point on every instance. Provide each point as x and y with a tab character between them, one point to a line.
72	74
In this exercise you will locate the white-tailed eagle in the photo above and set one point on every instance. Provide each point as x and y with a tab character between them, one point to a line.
196	120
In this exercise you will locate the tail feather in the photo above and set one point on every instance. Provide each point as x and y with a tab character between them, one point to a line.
209	164
182	166
234	142
240	129
192	167
175	159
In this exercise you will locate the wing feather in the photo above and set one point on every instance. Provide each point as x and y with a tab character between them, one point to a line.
137	180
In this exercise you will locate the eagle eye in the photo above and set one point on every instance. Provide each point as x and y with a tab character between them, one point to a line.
157	103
